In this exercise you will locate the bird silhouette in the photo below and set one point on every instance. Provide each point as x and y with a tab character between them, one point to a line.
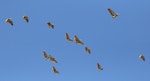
54	70
142	57
68	38
50	25
8	20
113	14
77	40
99	67
87	50
26	18
52	59
45	55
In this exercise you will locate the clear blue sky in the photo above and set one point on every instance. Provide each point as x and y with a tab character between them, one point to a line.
115	44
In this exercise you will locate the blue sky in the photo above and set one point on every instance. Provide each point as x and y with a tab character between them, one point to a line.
115	44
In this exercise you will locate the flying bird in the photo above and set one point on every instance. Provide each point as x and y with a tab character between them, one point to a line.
45	55
8	20
142	57
99	67
112	13
87	50
52	59
77	40
68	38
54	70
50	25
26	18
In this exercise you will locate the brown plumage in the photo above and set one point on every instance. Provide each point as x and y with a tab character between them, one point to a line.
26	18
54	70
112	13
142	57
50	25
8	20
45	55
99	67
87	50
52	59
77	40
68	38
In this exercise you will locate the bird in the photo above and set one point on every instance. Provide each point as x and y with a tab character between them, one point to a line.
50	25
54	70
113	14
87	50
45	55
68	38
142	57
99	67
26	18
77	40
52	59
9	20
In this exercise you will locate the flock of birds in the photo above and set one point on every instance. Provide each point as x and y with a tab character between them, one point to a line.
76	39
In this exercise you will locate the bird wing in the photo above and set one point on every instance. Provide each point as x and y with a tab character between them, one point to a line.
26	18
50	25
87	50
113	14
99	67
9	21
45	55
68	38
52	59
111	11
54	70
78	41
142	57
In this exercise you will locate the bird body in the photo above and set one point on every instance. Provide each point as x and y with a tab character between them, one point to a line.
142	57
68	38
99	67
50	25
77	40
52	59
8	20
26	18
87	50
54	70
45	55
113	14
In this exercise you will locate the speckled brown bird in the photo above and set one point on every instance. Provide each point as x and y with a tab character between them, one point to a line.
87	50
142	57
45	55
68	38
8	20
26	18
52	59
54	70
50	25
99	67
77	40
113	14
